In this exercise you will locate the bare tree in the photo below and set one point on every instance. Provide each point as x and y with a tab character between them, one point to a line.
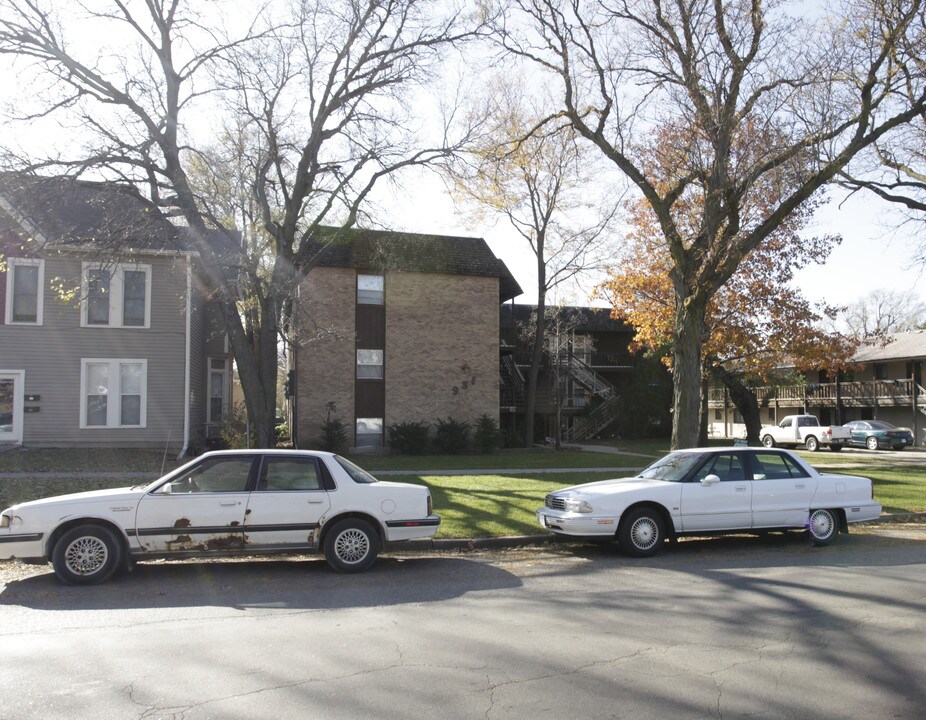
542	184
314	98
882	312
809	95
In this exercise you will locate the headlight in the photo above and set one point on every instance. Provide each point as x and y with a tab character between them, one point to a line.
579	506
5	520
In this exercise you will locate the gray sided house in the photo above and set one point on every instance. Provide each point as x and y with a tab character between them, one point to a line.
105	339
396	327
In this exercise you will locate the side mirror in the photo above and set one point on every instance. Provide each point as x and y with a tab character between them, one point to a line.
710	480
165	489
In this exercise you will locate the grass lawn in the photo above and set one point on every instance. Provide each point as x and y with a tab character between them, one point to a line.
470	505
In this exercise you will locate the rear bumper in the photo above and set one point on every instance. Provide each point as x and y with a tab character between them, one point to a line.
398	530
863	513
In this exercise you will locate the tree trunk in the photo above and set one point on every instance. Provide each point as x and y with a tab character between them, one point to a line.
744	400
533	372
686	373
702	422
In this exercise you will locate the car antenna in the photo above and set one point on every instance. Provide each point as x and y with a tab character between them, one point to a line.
166	446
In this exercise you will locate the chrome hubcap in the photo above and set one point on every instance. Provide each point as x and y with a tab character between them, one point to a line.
86	555
644	533
821	524
352	545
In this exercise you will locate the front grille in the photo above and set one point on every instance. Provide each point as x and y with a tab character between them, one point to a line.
554	503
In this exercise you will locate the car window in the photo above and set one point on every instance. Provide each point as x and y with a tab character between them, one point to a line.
786	423
727	466
774	466
222	474
358	475
283	474
674	467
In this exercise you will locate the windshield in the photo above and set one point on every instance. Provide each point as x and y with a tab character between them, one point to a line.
358	475
674	467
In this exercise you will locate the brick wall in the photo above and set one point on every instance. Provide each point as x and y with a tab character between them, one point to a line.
441	355
326	359
441	347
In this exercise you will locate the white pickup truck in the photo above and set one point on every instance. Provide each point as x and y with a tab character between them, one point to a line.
805	430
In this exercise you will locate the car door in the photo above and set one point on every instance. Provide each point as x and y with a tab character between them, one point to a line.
781	491
724	505
858	432
201	509
288	503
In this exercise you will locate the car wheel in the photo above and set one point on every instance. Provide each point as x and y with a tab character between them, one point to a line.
822	526
872	443
351	545
86	555
641	532
835	448
768	441
812	444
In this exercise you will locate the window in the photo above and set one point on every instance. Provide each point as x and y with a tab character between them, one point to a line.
222	474
284	474
117	296
772	466
369	432
727	467
370	290
370	364
113	393
880	371
24	284
218	384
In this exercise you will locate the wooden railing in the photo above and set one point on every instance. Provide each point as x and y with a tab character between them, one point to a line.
867	392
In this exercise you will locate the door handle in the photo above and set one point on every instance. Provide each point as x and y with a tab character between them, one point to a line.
800	486
315	502
740	488
229	504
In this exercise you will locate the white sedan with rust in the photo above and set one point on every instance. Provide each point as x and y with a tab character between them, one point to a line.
236	502
705	491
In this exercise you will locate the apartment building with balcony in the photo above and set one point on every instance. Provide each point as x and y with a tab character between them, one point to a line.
887	385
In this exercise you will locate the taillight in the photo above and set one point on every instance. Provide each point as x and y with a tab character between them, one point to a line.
430	505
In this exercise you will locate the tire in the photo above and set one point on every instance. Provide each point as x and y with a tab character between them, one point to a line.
872	443
812	444
768	441
641	532
351	545
822	526
86	555
835	448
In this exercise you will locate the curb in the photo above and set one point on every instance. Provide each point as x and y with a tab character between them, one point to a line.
515	541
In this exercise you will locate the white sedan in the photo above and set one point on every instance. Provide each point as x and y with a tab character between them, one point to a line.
236	502
704	491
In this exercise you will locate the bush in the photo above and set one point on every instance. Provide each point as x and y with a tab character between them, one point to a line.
487	435
451	436
333	437
408	438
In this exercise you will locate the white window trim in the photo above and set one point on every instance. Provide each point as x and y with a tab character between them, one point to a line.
19	394
113	408
116	294
11	263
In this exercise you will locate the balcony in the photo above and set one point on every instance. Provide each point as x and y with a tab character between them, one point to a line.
866	393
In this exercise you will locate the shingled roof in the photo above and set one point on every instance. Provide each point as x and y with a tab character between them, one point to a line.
69	212
380	251
899	346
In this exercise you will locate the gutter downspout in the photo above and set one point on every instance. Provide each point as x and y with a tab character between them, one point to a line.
186	371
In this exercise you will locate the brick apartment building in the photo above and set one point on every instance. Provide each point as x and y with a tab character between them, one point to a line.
394	327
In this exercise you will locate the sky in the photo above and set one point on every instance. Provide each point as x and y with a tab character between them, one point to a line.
873	255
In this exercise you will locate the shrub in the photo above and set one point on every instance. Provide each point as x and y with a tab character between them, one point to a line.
333	437
408	438
451	436
487	435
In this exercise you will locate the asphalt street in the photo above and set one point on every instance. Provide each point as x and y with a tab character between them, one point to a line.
759	627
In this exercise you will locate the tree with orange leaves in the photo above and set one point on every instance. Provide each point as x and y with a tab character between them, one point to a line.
755	321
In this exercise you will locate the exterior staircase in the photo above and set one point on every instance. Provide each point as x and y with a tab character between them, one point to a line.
604	414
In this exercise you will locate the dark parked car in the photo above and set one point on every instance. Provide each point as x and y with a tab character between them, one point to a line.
875	434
